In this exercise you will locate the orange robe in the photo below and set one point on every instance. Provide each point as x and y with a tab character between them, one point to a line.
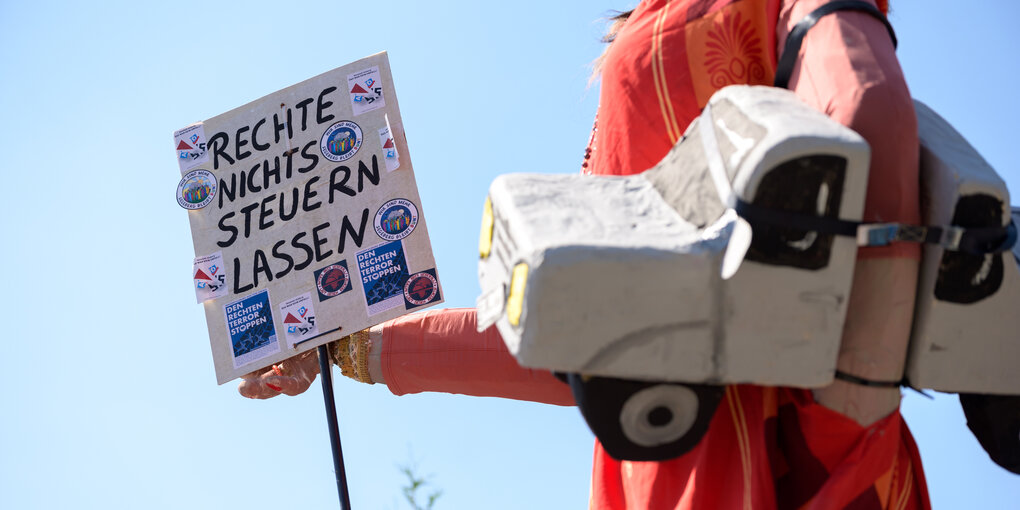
766	448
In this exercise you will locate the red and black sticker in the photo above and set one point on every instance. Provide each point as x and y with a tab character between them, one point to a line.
421	289
332	280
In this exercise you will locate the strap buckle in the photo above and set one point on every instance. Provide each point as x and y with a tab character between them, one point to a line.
882	234
877	234
951	237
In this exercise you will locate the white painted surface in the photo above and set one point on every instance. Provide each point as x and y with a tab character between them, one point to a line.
961	347
622	285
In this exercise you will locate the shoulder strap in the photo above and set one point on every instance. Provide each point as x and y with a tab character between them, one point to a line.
972	240
796	37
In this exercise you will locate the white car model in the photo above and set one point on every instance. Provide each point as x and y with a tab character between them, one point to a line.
731	261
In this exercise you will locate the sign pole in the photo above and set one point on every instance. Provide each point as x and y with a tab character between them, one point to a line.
334	429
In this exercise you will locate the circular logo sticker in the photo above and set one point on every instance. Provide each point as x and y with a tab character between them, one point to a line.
341	141
196	190
421	288
396	219
333	280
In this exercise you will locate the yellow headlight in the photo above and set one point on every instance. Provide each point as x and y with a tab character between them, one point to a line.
515	302
485	240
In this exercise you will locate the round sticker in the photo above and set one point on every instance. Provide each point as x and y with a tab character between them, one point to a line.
421	289
196	190
341	141
333	280
396	219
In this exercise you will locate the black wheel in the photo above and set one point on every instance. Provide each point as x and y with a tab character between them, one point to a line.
995	422
642	421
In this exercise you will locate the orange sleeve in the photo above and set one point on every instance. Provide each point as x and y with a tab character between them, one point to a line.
440	350
848	69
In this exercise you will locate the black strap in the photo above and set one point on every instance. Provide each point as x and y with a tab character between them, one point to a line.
774	217
793	42
972	240
860	381
1016	217
985	238
850	378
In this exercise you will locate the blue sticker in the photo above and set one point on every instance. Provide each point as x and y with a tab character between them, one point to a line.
383	271
251	330
332	280
421	289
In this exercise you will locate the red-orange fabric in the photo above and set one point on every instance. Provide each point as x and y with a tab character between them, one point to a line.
773	448
671	56
440	350
766	448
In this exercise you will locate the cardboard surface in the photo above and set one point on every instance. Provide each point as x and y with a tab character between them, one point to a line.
964	337
625	273
305	217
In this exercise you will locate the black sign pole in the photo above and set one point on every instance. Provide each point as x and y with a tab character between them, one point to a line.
334	429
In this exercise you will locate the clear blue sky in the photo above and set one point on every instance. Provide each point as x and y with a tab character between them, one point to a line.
109	398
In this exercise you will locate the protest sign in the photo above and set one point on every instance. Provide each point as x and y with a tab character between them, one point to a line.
305	217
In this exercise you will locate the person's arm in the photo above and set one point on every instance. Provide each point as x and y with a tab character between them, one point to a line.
437	350
848	70
440	350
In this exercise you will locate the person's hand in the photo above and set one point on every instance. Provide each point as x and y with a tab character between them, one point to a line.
290	377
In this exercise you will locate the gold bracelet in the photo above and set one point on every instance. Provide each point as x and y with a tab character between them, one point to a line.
340	353
350	353
363	345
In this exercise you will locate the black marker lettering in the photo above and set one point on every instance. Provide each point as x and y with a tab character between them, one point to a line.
363	172
277	127
228	191
317	242
322	105
342	185
283	256
346	228
246	210
290	125
289	165
260	265
264	211
227	228
283	207
308	251
309	193
237	278
218	144
238	143
303	105
251	179
255	134
274	172
313	157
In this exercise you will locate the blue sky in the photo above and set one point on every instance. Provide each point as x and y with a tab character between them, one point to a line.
110	399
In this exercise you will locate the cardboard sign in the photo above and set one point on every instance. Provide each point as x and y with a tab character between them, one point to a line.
306	226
